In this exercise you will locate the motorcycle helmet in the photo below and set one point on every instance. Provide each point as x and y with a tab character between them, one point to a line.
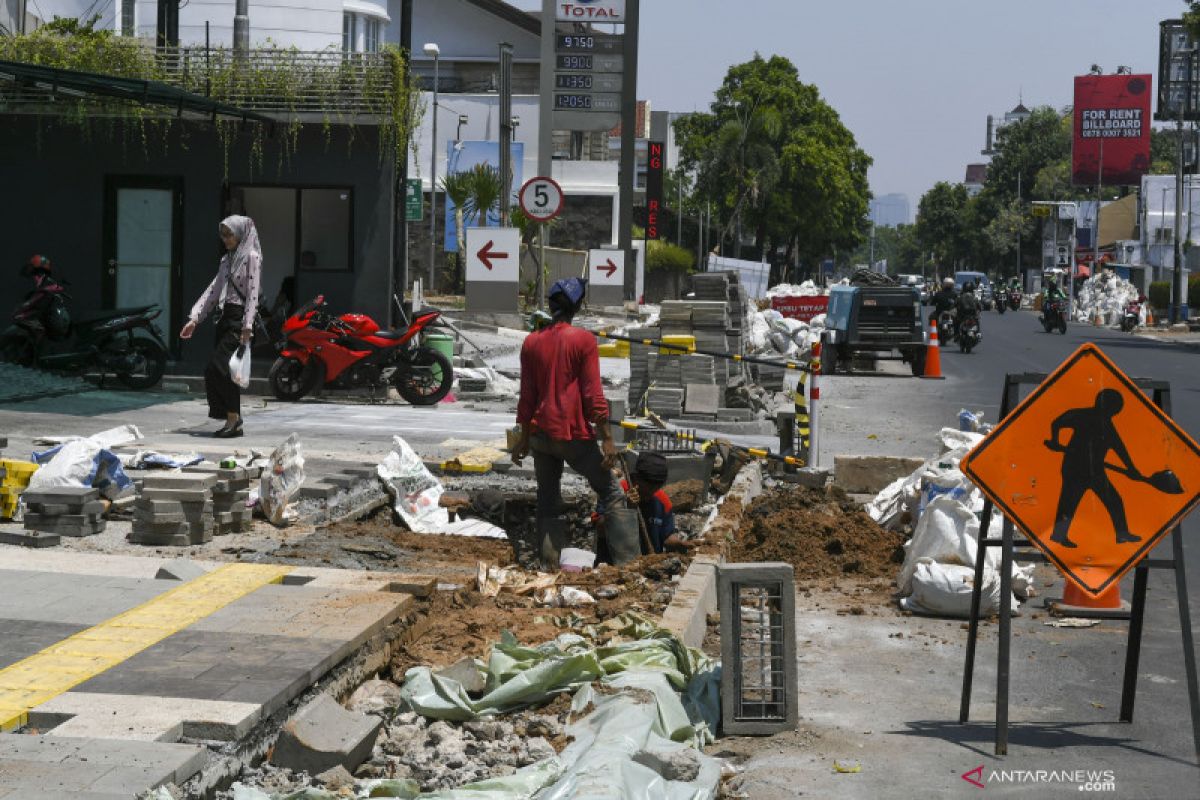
38	263
948	283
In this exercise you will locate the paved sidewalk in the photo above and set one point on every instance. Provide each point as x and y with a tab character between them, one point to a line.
114	733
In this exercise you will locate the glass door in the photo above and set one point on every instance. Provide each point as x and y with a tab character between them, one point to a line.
143	261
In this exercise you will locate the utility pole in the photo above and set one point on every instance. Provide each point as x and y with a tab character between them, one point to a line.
628	180
506	132
399	271
1099	183
1019	222
1178	300
241	26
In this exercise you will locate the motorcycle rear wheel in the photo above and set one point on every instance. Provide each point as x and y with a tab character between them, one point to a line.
17	350
290	379
426	379
151	364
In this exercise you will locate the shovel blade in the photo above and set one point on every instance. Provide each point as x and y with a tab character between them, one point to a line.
1166	481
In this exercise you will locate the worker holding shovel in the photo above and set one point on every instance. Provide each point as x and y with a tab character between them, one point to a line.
1085	468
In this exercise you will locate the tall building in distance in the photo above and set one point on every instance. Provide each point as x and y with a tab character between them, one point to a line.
890	210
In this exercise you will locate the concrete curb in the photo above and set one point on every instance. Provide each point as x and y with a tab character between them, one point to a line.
696	596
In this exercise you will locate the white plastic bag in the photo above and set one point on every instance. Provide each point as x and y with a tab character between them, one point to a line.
413	488
281	480
239	366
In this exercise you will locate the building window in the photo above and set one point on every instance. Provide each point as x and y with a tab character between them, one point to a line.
128	18
349	32
325	230
302	229
371	30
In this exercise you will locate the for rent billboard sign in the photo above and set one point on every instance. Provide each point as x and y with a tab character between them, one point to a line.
1112	130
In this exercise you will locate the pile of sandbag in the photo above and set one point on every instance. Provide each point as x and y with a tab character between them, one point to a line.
772	335
1103	297
942	506
806	289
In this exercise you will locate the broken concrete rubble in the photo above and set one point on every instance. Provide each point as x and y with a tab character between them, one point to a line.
323	735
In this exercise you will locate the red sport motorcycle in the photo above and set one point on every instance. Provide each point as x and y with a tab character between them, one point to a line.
351	351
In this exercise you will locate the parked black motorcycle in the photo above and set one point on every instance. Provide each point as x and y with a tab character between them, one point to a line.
968	334
1054	316
105	341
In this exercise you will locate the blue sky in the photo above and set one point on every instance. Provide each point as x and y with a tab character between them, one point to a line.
913	79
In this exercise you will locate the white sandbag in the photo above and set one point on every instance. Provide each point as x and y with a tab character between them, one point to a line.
415	491
944	590
947	533
281	480
955	439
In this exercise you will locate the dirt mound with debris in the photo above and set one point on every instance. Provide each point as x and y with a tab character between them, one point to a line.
450	625
822	534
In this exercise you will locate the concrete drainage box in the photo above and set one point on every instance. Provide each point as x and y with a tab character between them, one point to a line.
758	648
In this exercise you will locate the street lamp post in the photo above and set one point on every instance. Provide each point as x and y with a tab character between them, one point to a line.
431	49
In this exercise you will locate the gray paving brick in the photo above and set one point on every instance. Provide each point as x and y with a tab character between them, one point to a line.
179	480
30	538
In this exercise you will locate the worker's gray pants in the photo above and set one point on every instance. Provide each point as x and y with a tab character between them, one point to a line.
552	531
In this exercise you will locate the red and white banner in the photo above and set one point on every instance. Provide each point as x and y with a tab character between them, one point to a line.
801	308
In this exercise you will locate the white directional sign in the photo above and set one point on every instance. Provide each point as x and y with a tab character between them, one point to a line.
1064	256
606	267
541	199
493	254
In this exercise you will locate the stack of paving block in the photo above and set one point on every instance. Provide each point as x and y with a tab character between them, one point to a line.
64	510
711	286
229	495
639	371
675	318
174	509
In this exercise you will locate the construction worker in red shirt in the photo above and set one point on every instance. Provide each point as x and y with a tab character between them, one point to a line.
563	417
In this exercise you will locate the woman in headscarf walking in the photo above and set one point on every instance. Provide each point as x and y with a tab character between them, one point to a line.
234	291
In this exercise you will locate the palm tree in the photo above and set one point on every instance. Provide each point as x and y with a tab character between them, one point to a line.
457	186
484	191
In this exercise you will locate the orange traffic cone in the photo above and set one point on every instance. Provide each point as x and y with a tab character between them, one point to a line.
933	355
1078	603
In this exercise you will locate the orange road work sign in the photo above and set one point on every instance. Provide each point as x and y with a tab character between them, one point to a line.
1090	469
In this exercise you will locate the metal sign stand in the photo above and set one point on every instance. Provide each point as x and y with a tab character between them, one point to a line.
1161	393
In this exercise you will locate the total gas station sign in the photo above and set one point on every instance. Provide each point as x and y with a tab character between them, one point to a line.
590	11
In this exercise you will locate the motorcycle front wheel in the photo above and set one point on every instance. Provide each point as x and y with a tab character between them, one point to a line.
149	363
290	379
1047	324
1062	325
426	378
1000	308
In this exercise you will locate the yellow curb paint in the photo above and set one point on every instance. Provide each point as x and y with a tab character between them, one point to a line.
61	666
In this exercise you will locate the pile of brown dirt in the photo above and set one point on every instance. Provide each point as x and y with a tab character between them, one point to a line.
822	534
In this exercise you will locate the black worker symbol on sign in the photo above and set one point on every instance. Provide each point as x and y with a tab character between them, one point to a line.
1085	466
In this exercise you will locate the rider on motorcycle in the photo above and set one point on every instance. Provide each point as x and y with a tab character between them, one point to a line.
967	305
43	303
1052	292
945	299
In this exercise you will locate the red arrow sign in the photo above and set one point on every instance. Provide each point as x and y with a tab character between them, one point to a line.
486	254
608	268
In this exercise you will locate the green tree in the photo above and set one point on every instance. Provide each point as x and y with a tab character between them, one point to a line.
772	158
943	224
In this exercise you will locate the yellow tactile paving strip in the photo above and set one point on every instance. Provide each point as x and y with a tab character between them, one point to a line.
56	669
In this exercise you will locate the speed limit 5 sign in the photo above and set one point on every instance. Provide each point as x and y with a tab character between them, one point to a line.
541	199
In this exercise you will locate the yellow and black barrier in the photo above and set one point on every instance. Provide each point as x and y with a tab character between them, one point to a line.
691	348
704	444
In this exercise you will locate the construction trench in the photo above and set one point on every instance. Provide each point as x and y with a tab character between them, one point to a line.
351	656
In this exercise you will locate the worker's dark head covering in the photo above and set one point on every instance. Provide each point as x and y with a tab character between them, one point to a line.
566	296
651	467
1109	401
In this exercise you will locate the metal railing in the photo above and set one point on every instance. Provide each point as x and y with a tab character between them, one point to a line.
279	82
